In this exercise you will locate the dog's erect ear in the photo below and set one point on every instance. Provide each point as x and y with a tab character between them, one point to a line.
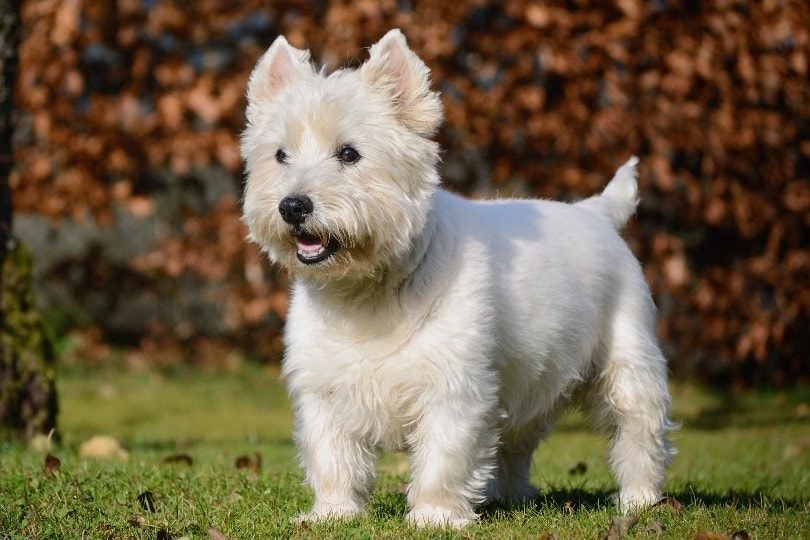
394	68
281	65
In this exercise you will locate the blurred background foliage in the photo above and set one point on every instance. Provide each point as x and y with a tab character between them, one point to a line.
128	179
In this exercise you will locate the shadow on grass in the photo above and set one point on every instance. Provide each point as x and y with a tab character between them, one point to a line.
575	500
394	505
735	411
190	444
730	409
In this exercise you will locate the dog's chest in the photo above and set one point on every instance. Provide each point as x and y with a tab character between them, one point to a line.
378	385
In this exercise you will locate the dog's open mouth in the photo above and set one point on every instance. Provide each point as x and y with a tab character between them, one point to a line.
313	249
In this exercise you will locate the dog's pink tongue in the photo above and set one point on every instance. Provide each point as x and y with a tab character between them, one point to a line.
309	245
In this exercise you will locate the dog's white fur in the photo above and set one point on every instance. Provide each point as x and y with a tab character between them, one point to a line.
451	329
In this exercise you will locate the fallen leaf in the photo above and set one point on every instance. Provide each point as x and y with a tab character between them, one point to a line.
671	503
579	468
181	459
102	447
216	534
52	464
255	465
708	535
619	527
655	527
137	521
147	501
568	508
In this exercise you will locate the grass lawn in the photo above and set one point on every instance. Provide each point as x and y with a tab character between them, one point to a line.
744	464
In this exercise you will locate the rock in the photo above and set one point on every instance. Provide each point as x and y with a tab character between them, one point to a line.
103	447
41	442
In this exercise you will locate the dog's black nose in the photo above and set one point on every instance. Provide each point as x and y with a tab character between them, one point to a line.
294	209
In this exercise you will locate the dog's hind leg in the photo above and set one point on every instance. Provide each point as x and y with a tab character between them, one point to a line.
632	397
510	482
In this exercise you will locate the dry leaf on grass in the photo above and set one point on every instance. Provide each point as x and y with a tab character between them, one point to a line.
619	527
52	464
254	465
655	527
180	459
671	503
216	534
709	535
568	508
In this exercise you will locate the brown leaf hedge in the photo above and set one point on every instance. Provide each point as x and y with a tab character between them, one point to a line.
128	175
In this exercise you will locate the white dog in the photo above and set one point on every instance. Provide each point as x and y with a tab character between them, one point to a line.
454	330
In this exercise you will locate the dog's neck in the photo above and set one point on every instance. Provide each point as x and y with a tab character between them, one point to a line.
381	296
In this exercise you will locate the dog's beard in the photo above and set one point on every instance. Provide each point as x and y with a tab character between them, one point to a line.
323	250
330	260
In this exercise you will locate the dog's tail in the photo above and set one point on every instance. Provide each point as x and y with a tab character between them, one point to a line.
619	199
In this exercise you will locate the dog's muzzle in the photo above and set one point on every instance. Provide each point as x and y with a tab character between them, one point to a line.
311	249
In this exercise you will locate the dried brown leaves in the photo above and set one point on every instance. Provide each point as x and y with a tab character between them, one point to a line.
119	103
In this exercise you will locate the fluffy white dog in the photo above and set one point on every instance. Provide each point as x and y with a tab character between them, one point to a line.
454	330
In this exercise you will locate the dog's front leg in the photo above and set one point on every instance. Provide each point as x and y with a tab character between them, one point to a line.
339	464
452	452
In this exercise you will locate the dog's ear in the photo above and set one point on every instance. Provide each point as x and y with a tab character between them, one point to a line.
281	65
393	68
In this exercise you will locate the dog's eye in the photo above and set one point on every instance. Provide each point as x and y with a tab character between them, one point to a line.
348	154
281	156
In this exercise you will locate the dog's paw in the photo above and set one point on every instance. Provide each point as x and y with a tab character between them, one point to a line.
435	516
324	512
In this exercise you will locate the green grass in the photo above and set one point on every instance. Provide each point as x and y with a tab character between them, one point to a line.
744	463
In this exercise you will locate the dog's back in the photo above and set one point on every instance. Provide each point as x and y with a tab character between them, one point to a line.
555	272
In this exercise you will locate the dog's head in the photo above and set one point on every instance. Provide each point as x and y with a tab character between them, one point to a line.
340	167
